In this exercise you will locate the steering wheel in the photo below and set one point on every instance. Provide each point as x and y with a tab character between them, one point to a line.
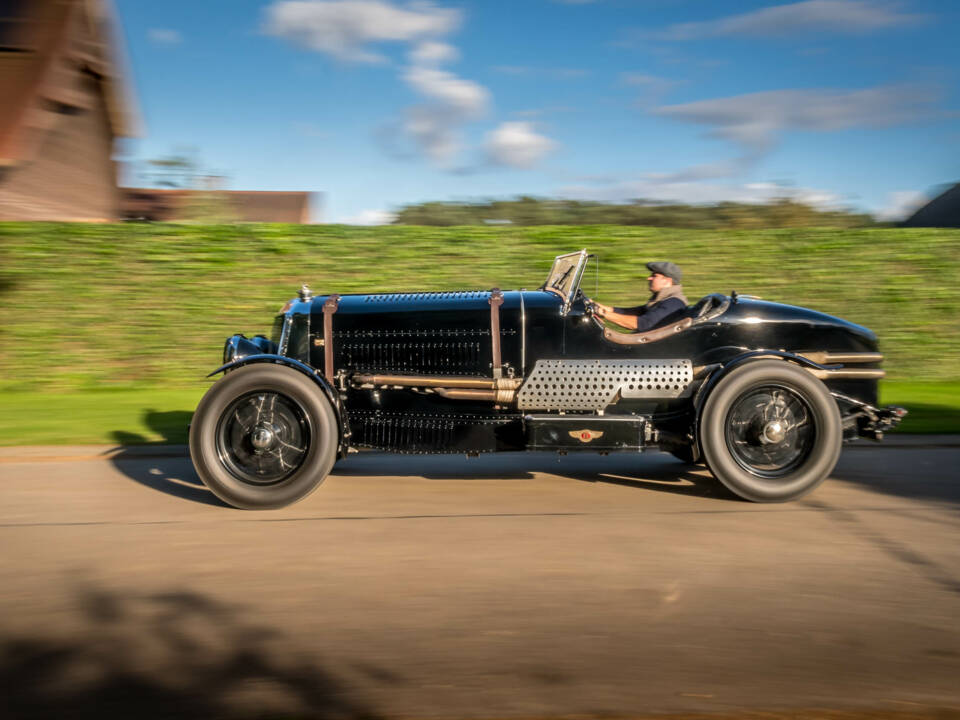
590	310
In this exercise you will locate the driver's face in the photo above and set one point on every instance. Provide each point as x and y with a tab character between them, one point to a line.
658	282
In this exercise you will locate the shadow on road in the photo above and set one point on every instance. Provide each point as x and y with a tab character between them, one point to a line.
915	473
652	471
171	475
164	655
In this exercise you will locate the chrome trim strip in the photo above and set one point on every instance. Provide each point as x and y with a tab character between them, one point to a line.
285	334
523	337
847	373
829	358
437	381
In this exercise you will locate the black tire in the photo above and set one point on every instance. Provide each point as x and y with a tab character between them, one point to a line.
770	431
263	437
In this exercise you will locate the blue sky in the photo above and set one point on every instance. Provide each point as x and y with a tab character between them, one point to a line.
376	104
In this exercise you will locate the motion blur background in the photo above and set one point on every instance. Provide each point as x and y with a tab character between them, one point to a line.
167	171
172	171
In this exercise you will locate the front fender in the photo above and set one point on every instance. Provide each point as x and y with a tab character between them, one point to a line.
313	374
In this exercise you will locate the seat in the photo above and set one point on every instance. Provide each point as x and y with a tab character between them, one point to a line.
705	308
650	335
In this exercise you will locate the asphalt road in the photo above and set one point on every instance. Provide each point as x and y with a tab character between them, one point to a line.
503	586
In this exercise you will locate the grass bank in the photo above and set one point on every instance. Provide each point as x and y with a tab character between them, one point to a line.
89	306
129	308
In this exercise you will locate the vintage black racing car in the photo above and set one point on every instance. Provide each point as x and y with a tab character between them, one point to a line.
764	394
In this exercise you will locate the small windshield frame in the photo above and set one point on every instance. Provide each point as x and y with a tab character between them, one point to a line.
565	275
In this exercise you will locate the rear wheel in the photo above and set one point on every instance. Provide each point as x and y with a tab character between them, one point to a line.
770	431
263	437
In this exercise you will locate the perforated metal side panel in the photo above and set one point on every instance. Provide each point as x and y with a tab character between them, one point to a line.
595	384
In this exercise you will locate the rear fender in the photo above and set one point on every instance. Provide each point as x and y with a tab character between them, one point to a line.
310	372
707	386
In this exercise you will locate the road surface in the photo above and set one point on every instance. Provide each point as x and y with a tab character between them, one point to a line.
521	586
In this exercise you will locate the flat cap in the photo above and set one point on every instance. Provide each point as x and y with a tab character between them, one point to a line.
668	269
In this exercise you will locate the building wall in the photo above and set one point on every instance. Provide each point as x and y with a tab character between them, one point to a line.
72	176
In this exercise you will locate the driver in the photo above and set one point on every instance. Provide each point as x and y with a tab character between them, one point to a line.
667	303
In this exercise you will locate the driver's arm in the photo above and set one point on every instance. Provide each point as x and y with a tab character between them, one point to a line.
605	312
662	312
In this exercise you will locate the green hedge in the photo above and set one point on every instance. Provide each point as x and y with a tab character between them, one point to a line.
94	306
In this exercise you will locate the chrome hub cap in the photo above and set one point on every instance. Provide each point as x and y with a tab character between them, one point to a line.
262	437
774	432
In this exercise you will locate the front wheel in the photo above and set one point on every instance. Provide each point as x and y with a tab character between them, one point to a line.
770	431
263	437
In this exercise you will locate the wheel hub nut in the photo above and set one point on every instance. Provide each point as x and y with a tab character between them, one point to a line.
774	432
261	437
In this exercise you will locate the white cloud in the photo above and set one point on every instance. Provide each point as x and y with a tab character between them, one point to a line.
516	144
841	16
462	96
435	132
901	205
435	127
755	121
433	53
346	29
369	217
164	36
698	192
343	28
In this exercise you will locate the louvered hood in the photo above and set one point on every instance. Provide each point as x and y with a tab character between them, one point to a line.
438	333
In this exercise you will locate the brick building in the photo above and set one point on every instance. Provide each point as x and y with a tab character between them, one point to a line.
63	107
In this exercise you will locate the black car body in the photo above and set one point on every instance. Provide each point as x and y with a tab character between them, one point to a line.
763	393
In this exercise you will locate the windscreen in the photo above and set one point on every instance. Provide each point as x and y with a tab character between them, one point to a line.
565	274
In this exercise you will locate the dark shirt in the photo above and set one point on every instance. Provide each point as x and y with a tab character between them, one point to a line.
661	313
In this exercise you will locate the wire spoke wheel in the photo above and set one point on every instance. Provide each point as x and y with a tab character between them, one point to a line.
263	438
769	432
